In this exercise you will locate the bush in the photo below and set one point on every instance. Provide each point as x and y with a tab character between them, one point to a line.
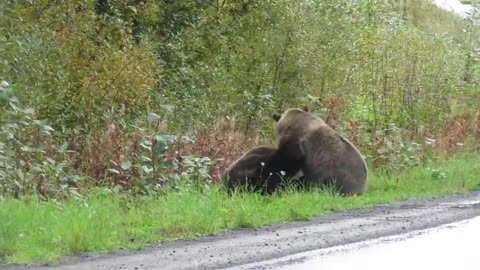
78	70
107	84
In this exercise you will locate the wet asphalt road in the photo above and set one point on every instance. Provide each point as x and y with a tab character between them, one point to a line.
451	246
239	248
454	6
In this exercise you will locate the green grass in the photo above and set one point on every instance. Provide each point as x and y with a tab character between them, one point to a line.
41	232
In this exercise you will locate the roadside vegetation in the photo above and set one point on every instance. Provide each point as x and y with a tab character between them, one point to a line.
116	117
39	231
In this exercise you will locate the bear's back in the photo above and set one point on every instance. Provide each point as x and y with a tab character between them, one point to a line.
331	156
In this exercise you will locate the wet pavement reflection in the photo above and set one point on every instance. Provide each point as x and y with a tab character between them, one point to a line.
455	6
452	246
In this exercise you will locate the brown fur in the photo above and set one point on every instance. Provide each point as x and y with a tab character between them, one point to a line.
247	170
329	158
263	169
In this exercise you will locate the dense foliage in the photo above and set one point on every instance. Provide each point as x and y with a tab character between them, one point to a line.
93	90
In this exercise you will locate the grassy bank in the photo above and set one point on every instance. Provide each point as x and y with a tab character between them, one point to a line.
31	230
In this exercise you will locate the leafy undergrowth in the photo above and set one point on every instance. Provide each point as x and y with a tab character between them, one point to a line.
41	232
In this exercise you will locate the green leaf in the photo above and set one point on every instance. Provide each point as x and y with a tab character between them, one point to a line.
29	111
152	117
27	149
63	148
113	171
147	169
167	108
126	165
132	8
47	129
165	138
146	145
50	160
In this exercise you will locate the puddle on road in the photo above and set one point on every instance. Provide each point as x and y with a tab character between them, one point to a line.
452	246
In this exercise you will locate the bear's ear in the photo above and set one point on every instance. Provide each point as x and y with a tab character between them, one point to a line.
276	117
305	108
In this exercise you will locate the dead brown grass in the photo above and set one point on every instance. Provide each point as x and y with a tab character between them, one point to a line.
223	143
96	154
476	128
354	131
454	133
334	107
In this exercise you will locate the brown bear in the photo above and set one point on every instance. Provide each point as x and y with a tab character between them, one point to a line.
329	158
262	169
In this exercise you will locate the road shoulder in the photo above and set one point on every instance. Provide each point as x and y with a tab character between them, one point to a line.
245	246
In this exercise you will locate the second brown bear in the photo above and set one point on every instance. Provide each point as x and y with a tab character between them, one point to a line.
262	169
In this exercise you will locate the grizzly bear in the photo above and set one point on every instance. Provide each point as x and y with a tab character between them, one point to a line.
262	169
329	158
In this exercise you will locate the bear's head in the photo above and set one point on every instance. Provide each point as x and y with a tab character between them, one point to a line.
294	123
277	117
